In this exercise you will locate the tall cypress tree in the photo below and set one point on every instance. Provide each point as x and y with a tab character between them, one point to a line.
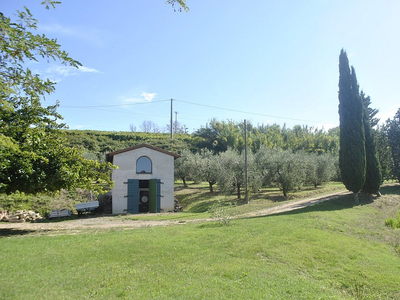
393	134
373	178
352	157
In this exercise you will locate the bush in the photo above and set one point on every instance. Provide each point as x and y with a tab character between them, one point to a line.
21	201
393	222
222	214
42	203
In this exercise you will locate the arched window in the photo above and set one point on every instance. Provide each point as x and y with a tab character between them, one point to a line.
143	165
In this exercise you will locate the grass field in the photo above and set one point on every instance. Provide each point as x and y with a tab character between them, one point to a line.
332	250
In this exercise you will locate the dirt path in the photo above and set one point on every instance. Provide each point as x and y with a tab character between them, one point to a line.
109	222
295	205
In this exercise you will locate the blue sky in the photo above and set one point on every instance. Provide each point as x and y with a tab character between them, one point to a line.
270	62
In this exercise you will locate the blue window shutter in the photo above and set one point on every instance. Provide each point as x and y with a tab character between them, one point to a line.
153	195
158	195
133	196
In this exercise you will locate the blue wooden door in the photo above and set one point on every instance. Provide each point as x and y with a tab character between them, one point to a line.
133	196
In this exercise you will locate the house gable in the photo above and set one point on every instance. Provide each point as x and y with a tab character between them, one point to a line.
110	156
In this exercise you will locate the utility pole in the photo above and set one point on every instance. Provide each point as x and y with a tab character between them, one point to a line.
245	164
176	121
171	127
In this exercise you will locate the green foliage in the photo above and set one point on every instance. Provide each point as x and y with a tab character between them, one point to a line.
384	152
50	166
222	214
290	171
352	156
101	142
393	222
42	203
373	178
320	168
206	168
178	5
33	154
231	173
268	167
184	166
219	136
393	133
21	201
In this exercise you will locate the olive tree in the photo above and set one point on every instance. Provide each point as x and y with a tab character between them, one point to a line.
231	175
231	172
282	168
185	166
206	167
320	168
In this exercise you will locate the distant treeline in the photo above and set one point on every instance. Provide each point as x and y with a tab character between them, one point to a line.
219	136
216	136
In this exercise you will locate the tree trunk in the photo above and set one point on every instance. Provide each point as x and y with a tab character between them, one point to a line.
369	197
356	201
184	182
210	184
238	192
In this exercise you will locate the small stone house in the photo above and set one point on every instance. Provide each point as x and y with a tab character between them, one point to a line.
144	180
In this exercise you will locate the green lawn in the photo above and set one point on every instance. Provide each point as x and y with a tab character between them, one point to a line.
332	250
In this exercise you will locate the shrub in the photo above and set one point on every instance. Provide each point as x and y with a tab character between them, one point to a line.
21	201
42	203
393	222
222	214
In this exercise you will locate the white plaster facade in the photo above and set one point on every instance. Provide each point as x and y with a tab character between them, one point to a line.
162	168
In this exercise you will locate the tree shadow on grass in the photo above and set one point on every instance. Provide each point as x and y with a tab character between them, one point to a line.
276	198
340	203
205	206
336	204
193	195
392	189
7	232
88	215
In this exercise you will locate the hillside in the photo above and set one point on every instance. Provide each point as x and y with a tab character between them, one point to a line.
99	143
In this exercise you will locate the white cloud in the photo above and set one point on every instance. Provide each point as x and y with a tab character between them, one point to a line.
88	70
69	71
143	98
61	70
148	96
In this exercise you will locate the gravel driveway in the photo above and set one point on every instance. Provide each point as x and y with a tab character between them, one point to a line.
108	222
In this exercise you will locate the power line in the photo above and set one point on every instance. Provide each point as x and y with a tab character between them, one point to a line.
111	105
191	103
245	112
120	112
